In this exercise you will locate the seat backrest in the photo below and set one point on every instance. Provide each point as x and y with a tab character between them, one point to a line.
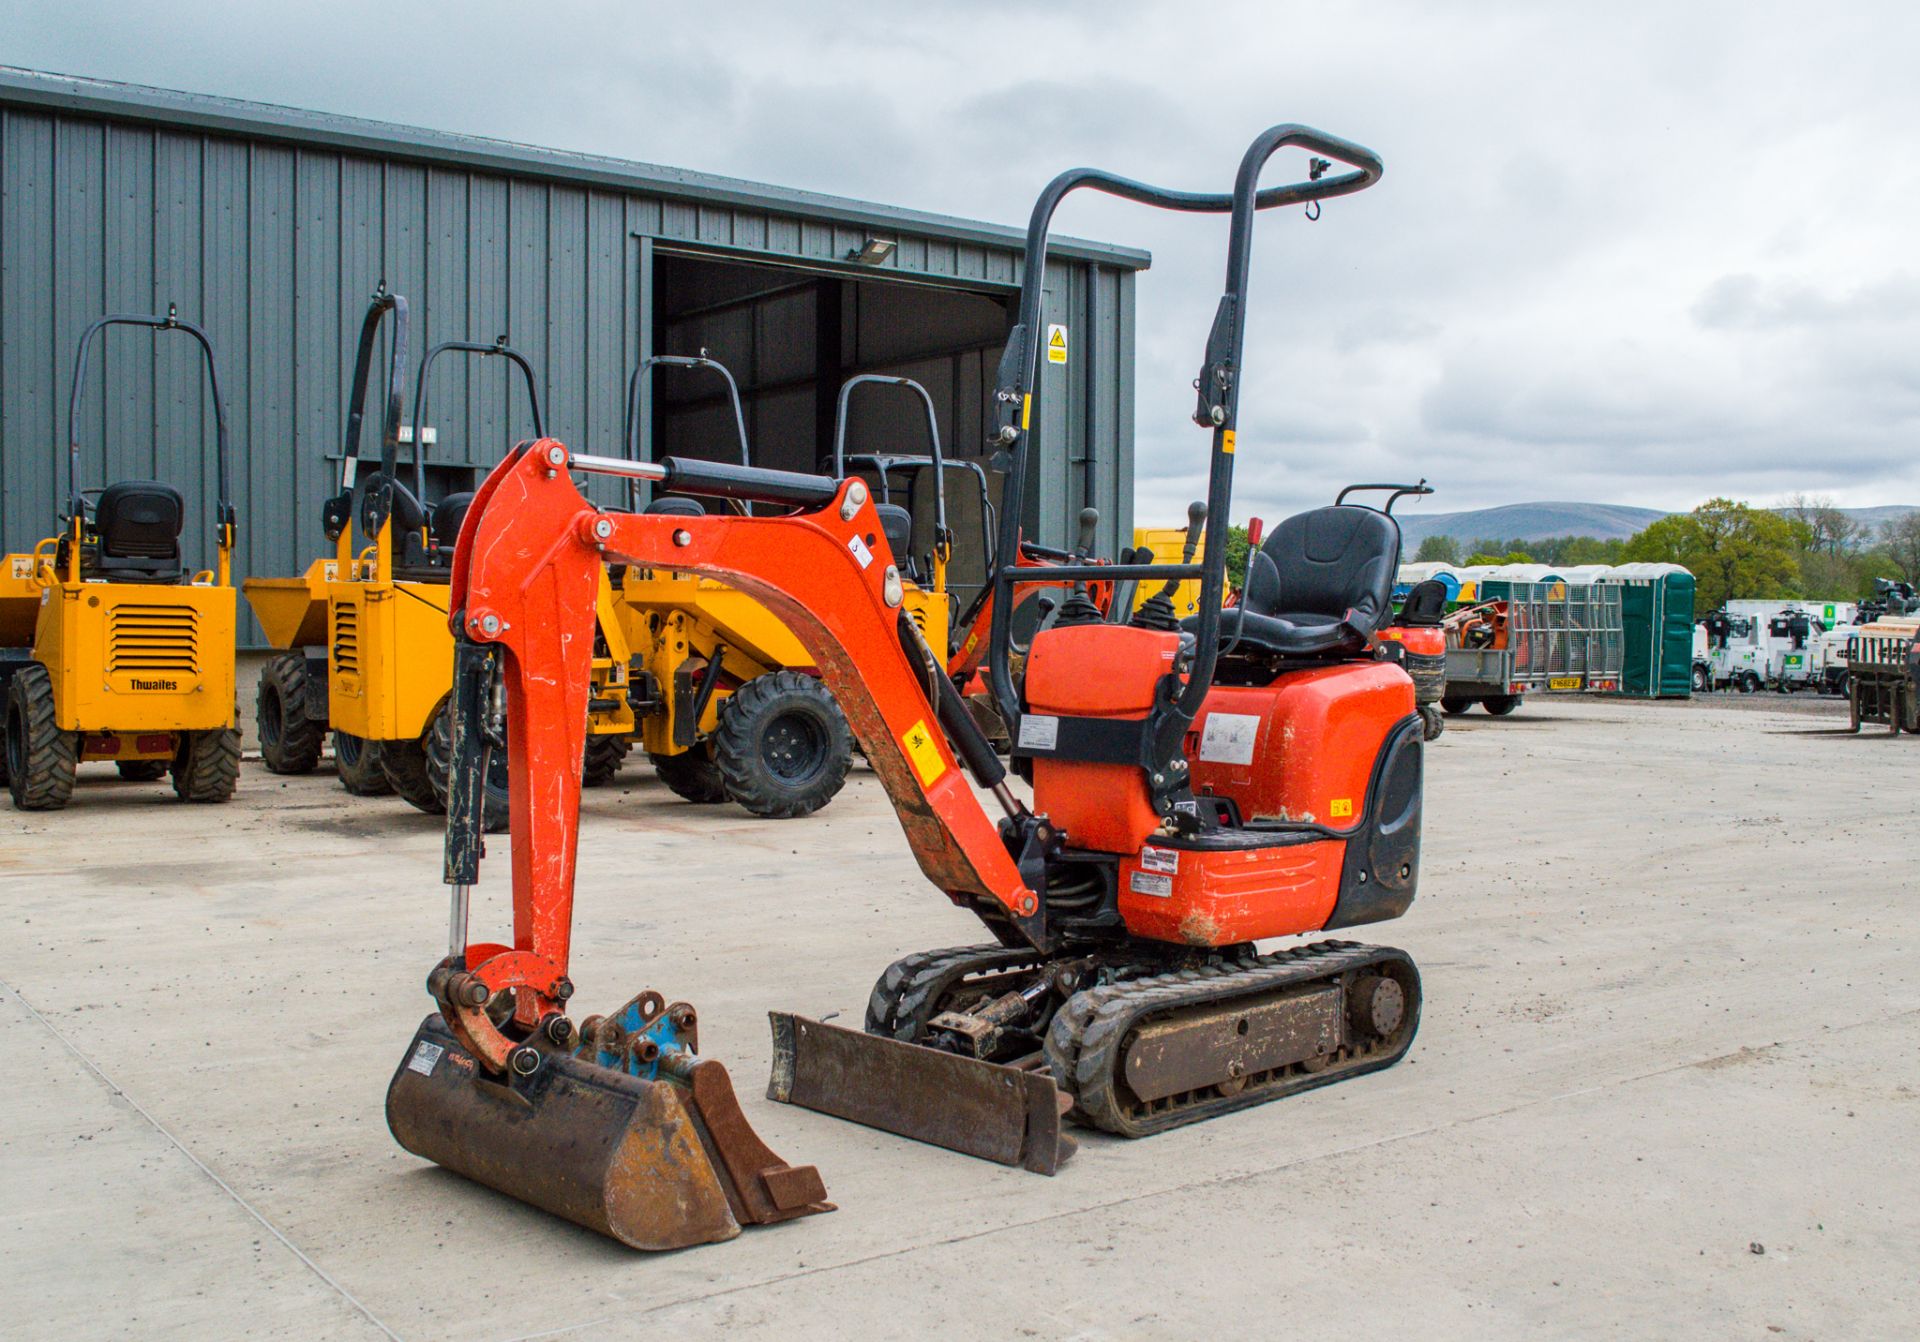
675	505
1425	606
1336	562
897	525
140	519
448	514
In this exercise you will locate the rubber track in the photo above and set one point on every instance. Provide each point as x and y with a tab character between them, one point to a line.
901	1002
1085	1041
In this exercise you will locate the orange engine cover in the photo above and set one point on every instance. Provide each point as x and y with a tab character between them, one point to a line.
1424	640
1301	748
1095	671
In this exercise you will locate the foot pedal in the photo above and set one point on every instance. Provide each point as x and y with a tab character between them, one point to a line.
985	1109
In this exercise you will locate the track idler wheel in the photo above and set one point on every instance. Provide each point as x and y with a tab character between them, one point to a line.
620	1127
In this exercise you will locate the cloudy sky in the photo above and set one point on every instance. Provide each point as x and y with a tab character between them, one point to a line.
1622	253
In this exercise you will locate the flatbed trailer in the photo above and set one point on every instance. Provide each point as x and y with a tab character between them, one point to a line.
1534	638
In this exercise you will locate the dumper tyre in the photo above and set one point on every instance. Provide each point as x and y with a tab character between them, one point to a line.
604	756
142	771
357	761
436	749
692	775
206	768
289	738
783	745
1432	722
1453	706
405	765
1502	704
41	759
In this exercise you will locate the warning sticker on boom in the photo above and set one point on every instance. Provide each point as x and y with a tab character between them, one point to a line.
924	751
426	1056
1056	343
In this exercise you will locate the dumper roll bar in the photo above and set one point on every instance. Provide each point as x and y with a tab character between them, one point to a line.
499	348
941	537
339	511
630	432
223	523
1217	409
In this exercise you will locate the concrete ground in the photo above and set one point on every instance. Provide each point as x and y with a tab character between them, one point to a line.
1667	1083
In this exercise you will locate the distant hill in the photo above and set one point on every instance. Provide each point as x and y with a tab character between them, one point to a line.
1526	521
1537	521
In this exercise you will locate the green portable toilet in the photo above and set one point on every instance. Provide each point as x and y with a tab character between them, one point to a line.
1656	609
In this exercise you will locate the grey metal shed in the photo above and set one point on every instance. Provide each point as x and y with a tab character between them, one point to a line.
271	227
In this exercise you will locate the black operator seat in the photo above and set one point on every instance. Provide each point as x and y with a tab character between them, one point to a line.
1320	586
896	523
138	523
448	515
674	505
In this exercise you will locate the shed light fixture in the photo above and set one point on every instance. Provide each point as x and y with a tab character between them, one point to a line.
874	253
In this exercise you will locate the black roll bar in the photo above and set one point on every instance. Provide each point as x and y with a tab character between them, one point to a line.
1218	383
933	437
631	428
1398	492
499	348
378	307
223	505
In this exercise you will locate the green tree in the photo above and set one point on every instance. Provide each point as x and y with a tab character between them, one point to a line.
1900	542
1239	551
1515	556
1438	550
1732	550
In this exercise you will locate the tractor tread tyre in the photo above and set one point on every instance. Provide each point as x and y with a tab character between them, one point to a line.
783	745
207	766
436	750
604	756
142	771
691	775
1432	721
357	761
41	759
289	739
408	774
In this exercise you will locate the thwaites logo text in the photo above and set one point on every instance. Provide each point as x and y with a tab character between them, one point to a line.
140	684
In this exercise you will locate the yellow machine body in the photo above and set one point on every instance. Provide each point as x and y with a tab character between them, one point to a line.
1165	543
127	660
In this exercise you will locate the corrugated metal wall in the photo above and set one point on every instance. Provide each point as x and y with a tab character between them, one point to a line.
274	247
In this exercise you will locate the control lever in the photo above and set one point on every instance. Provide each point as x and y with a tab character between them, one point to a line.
1079	608
1157	612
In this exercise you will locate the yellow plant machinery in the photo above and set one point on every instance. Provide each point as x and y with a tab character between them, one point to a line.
110	647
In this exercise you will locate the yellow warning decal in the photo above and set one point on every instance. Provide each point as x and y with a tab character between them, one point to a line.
973	641
1026	412
924	751
1341	808
1056	343
1226	442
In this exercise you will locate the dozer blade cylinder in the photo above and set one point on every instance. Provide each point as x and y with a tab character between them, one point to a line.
999	1113
601	1148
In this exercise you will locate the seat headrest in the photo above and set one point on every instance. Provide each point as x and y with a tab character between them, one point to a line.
140	519
675	505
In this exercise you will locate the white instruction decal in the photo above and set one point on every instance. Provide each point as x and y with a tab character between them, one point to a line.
860	550
1038	732
1151	883
1160	859
1228	738
426	1057
23	567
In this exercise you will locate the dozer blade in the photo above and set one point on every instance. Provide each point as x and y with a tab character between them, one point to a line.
985	1109
653	1164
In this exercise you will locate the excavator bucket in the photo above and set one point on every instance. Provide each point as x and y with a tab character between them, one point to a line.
659	1163
1010	1115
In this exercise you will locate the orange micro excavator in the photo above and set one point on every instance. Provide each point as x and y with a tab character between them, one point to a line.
1196	788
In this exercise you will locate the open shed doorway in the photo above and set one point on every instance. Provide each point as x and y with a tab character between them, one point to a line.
791	337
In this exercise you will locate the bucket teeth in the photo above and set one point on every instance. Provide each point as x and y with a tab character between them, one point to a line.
1005	1114
655	1163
